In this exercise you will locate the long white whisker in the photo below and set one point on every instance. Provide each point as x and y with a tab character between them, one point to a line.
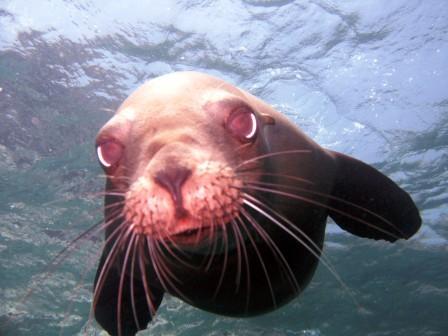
226	255
164	273
141	251
238	252
314	251
64	253
320	204
260	258
354	205
132	289
212	248
80	282
120	231
175	256
240	239
276	251
269	155
290	177
122	275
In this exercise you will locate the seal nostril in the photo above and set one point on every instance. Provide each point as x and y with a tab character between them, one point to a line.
172	179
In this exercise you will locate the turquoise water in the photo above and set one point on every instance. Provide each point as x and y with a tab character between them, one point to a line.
367	78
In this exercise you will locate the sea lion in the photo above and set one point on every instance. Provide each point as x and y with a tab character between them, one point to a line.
218	199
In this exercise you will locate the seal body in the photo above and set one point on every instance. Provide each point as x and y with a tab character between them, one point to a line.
216	198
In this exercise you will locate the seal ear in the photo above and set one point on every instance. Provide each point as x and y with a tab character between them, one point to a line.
368	204
267	119
108	299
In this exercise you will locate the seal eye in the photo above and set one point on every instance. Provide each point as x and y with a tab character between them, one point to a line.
243	124
109	152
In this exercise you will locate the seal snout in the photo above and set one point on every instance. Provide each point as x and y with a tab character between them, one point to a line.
172	179
174	200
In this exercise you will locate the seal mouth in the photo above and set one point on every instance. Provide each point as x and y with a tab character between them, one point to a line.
194	236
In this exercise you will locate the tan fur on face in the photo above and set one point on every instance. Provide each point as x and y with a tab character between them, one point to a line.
167	123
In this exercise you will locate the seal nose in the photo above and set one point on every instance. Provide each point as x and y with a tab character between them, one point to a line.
172	179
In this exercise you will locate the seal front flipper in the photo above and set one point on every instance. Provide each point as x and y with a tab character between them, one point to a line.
368	204
106	306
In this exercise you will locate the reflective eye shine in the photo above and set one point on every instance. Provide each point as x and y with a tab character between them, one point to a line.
109	153
99	152
254	127
243	125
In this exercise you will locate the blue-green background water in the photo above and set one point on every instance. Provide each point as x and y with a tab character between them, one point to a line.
368	78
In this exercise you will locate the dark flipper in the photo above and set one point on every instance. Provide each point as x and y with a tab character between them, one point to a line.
361	184
107	303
